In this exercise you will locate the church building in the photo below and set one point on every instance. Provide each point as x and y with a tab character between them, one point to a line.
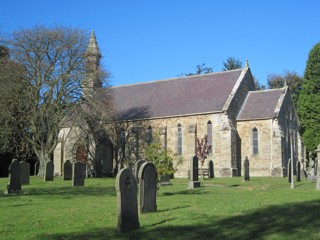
238	120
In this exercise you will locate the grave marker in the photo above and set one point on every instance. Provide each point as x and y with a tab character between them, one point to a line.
289	170
67	170
298	169
136	169
194	175
14	185
48	173
78	175
25	172
211	169
246	175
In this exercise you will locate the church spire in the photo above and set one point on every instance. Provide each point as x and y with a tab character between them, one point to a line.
93	48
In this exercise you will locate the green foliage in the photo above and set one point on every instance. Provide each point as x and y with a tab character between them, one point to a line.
259	86
231	64
309	100
200	69
162	158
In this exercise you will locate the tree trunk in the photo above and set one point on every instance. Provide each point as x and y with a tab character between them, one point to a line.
43	158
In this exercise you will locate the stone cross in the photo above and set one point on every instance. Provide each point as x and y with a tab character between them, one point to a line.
14	185
148	187
318	174
211	169
78	169
67	170
48	173
136	169
127	201
246	175
194	173
25	172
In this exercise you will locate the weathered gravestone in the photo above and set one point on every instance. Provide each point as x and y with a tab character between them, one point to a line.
14	185
127	201
194	175
318	174
67	170
78	175
165	180
211	169
136	169
312	169
289	170
246	174
25	172
298	170
48	173
148	187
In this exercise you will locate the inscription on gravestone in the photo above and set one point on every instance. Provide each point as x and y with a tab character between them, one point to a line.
78	173
14	185
148	187
127	201
67	170
25	172
48	173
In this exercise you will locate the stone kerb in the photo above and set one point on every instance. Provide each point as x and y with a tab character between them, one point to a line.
148	187
78	175
25	172
67	170
14	185
127	201
48	173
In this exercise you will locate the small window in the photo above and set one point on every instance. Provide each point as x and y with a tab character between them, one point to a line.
149	135
255	141
179	139
209	137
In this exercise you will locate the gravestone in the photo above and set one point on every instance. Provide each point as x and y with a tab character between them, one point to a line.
194	176
127	201
136	169
318	174
246	175
14	185
67	170
316	166
25	172
289	170
165	180
148	187
78	175
48	173
298	169
211	169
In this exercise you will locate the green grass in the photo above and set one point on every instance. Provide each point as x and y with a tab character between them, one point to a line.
224	208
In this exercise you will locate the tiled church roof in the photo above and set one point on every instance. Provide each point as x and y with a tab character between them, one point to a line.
260	104
180	96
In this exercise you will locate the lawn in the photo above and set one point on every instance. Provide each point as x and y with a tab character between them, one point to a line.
223	208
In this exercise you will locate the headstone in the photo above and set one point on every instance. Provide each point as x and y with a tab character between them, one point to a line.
316	166
298	177
25	172
318	175
194	175
127	201
14	185
67	170
78	175
246	175
36	168
211	169
48	173
148	187
136	169
289	170
165	180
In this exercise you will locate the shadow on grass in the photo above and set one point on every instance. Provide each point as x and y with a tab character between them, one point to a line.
291	221
187	192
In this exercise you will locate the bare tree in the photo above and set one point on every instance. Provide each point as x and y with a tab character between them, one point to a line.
53	60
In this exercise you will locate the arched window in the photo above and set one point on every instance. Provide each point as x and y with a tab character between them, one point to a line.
179	139
149	135
255	141
209	137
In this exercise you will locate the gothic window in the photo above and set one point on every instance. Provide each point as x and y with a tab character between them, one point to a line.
209	137
255	141
179	139
149	135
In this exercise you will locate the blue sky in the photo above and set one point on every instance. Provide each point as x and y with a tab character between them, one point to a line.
152	40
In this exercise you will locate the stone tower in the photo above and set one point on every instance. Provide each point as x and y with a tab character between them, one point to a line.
93	56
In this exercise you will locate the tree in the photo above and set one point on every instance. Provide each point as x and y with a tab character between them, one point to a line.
200	69
291	78
259	86
53	60
231	64
309	100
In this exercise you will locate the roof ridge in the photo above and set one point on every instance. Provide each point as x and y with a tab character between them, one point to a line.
178	78
267	90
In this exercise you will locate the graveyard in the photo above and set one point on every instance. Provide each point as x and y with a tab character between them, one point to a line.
221	208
